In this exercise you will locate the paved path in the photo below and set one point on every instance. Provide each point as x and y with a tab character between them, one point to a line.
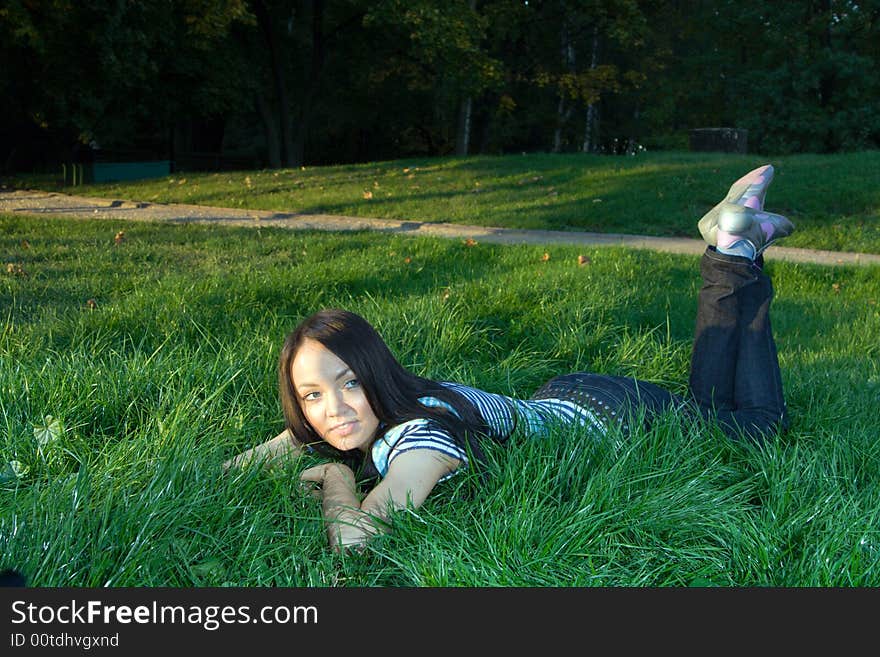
55	204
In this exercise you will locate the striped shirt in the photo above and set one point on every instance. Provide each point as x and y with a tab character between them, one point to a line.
533	416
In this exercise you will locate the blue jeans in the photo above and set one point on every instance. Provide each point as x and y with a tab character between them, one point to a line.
734	379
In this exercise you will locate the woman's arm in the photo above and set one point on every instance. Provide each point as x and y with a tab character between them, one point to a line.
350	522
271	453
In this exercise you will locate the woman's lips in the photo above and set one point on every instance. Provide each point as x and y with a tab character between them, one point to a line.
345	428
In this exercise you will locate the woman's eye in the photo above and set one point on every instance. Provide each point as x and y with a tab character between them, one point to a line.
352	383
312	396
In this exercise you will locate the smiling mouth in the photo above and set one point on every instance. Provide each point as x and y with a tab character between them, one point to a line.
344	429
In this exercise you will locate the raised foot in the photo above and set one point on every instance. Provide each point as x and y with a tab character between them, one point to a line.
739	225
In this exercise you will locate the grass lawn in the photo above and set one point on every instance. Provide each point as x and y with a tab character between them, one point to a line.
130	371
834	200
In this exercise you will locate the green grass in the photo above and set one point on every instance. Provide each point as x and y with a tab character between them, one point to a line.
834	200
172	370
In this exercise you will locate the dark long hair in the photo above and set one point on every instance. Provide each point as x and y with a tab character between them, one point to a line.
392	391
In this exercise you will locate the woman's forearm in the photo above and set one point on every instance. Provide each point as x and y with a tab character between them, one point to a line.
347	525
270	453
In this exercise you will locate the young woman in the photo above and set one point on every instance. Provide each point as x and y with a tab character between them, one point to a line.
344	394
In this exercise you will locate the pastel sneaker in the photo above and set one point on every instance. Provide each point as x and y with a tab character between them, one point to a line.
738	225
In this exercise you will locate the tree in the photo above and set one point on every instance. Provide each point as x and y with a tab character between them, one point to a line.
560	58
111	74
800	76
435	52
815	88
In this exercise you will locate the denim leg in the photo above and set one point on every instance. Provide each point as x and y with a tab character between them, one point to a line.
735	375
735	378
618	399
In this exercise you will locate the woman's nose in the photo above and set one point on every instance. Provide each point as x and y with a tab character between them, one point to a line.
336	404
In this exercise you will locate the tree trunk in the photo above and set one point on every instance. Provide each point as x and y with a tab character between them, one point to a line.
589	145
310	91
463	136
266	26
270	130
563	110
557	134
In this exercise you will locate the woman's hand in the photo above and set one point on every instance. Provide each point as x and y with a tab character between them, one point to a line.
351	522
318	475
347	526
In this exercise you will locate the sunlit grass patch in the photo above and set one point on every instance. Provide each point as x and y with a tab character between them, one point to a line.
116	416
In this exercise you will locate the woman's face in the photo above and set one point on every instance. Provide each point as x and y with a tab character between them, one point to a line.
332	398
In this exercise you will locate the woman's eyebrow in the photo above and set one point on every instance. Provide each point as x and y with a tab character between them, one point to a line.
343	373
340	375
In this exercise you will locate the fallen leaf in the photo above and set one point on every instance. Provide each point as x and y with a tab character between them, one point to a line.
583	260
25	244
208	568
48	434
469	242
836	287
247	181
15	269
407	260
545	257
368	195
119	238
182	181
91	304
445	295
11	471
